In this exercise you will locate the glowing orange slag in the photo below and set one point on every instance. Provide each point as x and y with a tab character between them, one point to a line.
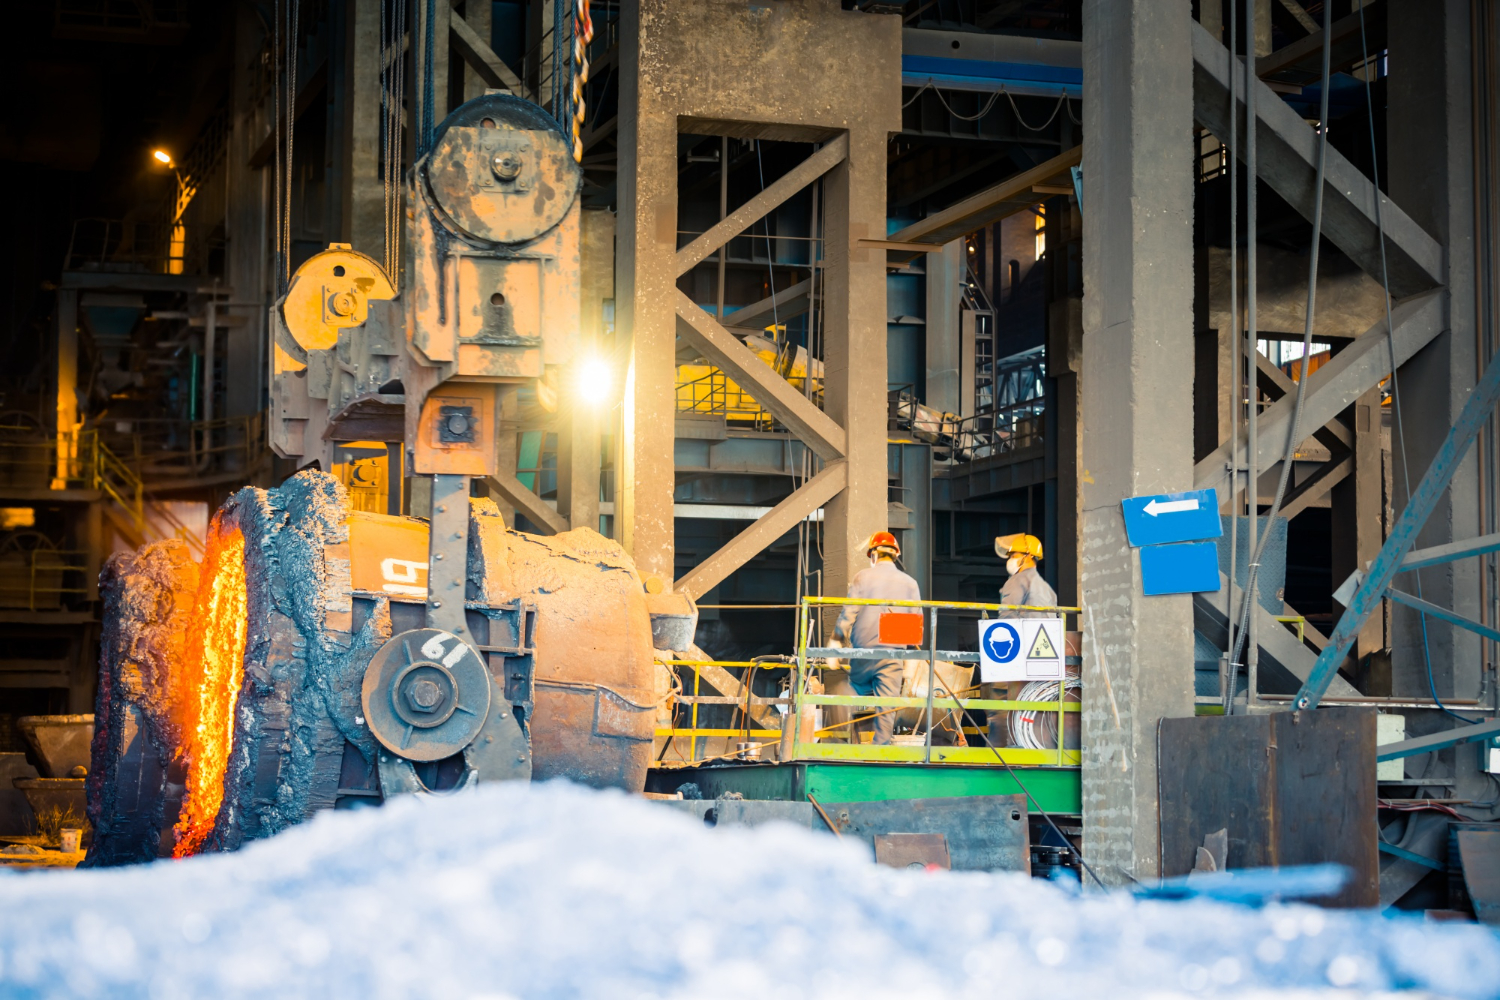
214	667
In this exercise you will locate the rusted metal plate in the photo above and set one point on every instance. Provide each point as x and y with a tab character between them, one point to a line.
912	850
594	716
388	554
983	832
456	432
1479	851
499	302
1291	788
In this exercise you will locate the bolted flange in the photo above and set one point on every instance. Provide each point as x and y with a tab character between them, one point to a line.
426	694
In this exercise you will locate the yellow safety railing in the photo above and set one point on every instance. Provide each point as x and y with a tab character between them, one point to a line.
38	579
81	460
795	747
693	732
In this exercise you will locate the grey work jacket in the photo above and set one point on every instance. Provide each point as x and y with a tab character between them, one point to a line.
1028	587
882	580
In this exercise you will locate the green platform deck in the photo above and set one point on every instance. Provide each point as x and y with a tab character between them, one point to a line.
1056	789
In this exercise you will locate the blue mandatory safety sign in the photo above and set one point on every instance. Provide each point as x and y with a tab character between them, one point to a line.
1187	568
1172	517
1000	641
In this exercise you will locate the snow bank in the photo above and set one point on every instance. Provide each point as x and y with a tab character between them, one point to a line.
552	890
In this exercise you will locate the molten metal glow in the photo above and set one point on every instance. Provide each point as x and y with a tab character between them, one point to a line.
214	655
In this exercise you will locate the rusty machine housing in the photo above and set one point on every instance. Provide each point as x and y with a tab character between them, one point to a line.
386	654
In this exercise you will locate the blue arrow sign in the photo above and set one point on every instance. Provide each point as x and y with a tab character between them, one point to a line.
1172	517
1179	569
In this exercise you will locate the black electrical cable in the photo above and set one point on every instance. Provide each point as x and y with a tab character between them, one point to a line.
1385	283
1293	438
1027	792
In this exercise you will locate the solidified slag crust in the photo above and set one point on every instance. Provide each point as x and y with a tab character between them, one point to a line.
299	703
134	782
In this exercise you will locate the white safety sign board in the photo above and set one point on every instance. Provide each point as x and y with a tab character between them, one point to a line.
1021	649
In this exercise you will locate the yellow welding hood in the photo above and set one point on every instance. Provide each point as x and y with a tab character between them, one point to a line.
1020	544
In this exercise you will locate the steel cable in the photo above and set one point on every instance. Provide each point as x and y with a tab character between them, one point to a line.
1290	452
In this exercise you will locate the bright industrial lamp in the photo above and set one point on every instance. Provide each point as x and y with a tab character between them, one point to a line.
162	156
593	381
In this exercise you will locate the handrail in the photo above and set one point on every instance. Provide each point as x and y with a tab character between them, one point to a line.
793	747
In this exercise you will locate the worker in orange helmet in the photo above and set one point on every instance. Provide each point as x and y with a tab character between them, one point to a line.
1025	585
859	626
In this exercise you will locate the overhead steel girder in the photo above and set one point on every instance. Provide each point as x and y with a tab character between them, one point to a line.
1287	161
525	500
763	531
1333	387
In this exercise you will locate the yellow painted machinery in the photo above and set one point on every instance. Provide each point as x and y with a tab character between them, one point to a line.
326	654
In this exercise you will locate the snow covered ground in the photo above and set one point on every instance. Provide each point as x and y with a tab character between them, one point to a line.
556	891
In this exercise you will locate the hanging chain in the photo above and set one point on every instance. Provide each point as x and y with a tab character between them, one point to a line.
276	124
393	92
583	34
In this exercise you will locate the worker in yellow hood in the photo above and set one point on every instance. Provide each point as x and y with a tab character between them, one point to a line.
1025	585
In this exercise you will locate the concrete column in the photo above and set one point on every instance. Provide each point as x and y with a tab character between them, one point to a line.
1358	509
247	227
854	354
1431	178
646	286
945	273
1064	364
1138	338
364	193
586	407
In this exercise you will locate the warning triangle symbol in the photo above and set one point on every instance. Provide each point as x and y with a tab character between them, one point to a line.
1041	647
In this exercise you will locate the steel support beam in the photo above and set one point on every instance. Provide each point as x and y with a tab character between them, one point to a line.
990	205
1437	741
1350	374
1476	411
826	438
1437	611
1418	558
762	532
1288	163
1282	658
476	18
1317	486
819	163
515	493
708	68
481	59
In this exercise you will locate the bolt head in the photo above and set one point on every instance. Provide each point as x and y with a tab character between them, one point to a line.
424	695
507	165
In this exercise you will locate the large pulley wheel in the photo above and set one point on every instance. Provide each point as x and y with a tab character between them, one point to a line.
426	694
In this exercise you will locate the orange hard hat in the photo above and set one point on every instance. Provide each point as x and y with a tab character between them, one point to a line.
882	540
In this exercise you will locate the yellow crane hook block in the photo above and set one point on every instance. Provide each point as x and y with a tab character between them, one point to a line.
331	292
